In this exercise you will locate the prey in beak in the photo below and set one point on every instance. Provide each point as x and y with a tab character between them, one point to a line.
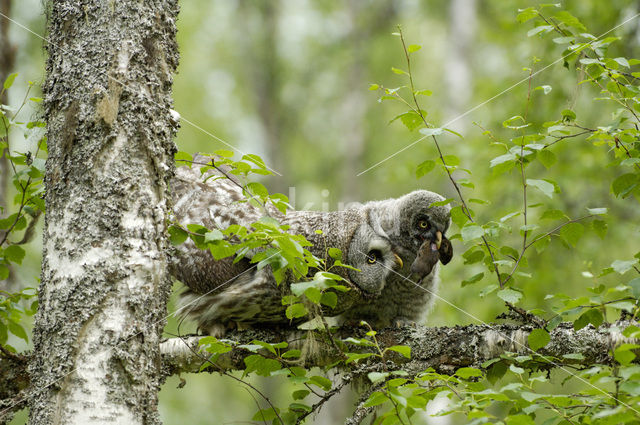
432	250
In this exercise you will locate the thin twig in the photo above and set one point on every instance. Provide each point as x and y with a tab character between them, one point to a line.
227	374
326	397
465	208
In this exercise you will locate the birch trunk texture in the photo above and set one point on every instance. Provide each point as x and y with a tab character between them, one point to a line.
104	272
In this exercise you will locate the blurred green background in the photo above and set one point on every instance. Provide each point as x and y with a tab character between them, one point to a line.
288	80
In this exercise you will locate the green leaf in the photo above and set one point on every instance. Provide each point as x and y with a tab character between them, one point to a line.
177	235
540	29
213	346
546	158
375	399
14	253
377	376
313	294
356	357
597	211
431	131
572	232
569	20
568	114
458	217
496	371
622	267
624	354
468	372
546	89
471	231
374	87
398	71
424	168
17	330
624	185
9	81
330	299
520	419
473	255
292	354
593	316
441	203
402	349
600	227
225	153
257	189
321	382
4	272
296	310
414	48
622	305
473	279
266	414
261	365
544	186
335	253
183	158
410	119
508	157
300	394
423	93
552	215
509	295
634	284
363	342
517	370
213	235
526	14
538	338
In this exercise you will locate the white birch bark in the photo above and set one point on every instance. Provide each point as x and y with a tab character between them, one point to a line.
104	273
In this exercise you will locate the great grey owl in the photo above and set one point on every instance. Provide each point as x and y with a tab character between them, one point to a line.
416	230
221	294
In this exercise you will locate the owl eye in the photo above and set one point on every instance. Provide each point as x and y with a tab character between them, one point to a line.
423	224
373	256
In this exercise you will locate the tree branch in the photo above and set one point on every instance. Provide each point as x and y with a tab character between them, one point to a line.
445	349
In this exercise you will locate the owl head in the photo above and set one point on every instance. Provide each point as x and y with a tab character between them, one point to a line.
374	258
415	227
418	220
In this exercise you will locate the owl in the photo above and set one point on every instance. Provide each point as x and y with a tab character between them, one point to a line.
225	293
416	230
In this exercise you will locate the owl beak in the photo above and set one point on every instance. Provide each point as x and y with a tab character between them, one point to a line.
398	261
438	239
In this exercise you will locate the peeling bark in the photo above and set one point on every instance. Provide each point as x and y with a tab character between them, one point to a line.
104	273
444	349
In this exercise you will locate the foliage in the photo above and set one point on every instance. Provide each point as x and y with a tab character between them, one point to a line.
504	250
266	241
606	393
471	390
17	229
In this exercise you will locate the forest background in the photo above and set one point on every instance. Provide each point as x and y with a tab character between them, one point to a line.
290	80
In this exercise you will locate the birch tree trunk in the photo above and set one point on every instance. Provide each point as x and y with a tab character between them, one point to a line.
104	273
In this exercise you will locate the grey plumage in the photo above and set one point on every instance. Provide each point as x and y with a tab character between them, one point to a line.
406	297
221	294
